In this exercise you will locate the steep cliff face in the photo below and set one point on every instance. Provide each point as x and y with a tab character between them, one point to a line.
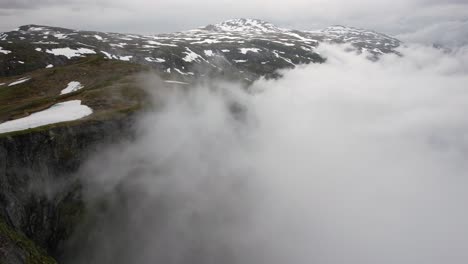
16	248
39	195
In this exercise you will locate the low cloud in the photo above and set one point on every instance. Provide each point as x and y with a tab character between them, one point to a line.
447	34
350	161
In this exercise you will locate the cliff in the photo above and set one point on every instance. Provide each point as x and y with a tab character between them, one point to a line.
39	195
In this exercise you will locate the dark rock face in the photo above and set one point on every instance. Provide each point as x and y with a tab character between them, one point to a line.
39	196
15	248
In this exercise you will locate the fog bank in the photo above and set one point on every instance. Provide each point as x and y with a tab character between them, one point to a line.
350	161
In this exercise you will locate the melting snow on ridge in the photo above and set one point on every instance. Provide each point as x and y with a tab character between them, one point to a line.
49	66
125	58
245	50
108	55
22	80
61	112
191	56
70	53
208	53
72	87
176	82
154	59
243	25
60	36
160	44
4	51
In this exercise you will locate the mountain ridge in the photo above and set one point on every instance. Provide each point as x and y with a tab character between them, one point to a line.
247	48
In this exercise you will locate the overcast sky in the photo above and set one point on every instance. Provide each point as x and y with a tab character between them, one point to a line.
418	20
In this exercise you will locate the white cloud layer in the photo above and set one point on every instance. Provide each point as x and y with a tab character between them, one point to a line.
351	161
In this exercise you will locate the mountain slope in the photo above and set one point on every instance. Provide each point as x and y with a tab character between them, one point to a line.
105	86
245	48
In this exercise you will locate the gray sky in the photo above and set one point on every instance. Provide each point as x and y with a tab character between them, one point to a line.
417	20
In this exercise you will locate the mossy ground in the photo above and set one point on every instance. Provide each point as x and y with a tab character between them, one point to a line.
110	87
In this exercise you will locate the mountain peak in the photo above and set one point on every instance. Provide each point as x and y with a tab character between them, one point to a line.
245	25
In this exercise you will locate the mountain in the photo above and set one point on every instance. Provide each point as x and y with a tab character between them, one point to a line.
65	93
245	48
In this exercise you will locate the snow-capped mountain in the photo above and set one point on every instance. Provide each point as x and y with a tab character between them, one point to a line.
246	48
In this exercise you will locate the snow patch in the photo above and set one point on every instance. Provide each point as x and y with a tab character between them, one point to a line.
155	59
183	73
46	42
49	66
207	41
285	43
4	51
120	45
35	29
72	87
98	37
246	25
160	44
108	55
70	53
61	112
60	36
191	56
208	53
245	50
176	82
125	58
22	80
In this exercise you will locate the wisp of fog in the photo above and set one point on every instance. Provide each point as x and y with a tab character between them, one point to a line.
352	161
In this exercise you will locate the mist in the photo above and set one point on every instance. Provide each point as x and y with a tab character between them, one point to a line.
351	161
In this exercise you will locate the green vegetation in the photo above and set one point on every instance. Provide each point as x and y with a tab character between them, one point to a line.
110	87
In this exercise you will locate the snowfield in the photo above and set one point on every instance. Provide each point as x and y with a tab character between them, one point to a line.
70	53
125	58
19	81
61	112
191	56
159	60
72	87
208	53
4	51
245	50
176	82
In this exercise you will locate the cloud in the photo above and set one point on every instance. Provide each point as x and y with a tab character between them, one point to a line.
449	34
350	161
